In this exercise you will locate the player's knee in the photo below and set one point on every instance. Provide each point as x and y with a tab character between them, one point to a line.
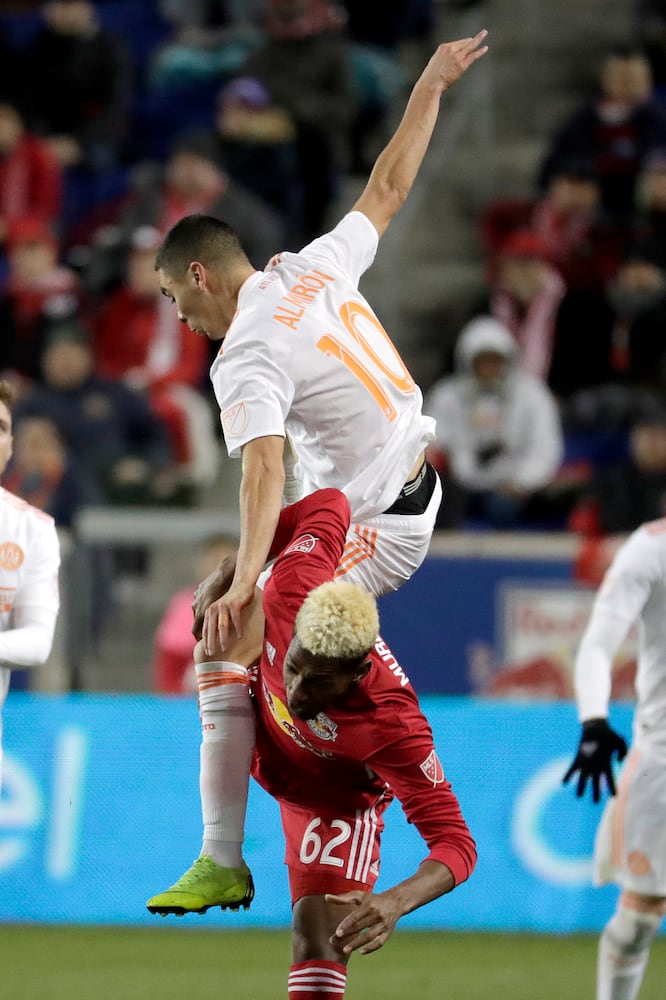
308	945
200	653
312	928
632	931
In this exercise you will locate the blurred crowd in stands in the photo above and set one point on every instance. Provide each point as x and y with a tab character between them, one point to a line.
552	410
118	118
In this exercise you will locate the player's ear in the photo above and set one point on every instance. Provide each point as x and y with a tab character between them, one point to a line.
361	671
198	272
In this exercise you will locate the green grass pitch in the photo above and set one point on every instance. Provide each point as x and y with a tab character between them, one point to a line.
177	963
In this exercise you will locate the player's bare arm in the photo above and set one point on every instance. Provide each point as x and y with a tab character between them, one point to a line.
371	922
261	491
398	164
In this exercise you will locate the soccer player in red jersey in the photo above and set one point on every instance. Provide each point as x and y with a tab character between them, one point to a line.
339	734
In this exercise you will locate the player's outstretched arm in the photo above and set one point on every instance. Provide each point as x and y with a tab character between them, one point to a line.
398	164
374	916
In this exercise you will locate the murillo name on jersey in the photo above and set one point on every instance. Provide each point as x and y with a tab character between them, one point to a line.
389	660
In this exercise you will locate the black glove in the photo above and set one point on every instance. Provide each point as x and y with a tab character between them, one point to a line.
598	743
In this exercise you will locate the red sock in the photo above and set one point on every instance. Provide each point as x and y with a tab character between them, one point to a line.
317	978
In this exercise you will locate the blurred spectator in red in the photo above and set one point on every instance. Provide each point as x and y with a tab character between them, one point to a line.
77	85
526	294
140	340
41	467
305	65
637	299
190	182
498	431
111	432
563	335
36	285
30	175
581	242
616	130
173	662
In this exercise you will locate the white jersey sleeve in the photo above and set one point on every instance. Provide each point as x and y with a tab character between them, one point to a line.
255	394
29	642
626	589
349	249
29	564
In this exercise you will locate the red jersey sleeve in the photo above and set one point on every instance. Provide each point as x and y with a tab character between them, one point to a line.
324	514
410	766
310	537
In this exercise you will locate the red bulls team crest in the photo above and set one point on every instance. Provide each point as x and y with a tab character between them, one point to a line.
433	769
323	727
305	543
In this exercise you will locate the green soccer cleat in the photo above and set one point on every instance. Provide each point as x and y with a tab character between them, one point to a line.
203	885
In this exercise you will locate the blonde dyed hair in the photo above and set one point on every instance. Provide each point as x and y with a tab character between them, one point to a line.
338	620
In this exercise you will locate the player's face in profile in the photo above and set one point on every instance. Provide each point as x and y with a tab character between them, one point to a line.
315	683
194	305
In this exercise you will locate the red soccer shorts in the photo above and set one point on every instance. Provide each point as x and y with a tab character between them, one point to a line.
329	852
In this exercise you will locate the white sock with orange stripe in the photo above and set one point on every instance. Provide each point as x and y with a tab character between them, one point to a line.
317	978
227	726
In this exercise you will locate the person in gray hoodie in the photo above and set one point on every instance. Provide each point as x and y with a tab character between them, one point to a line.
499	436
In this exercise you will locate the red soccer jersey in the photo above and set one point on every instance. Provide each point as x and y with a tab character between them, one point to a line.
374	745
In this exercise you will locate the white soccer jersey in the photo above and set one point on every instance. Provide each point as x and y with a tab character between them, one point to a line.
305	354
29	563
634	589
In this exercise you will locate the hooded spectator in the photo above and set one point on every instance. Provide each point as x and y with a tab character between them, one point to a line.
498	430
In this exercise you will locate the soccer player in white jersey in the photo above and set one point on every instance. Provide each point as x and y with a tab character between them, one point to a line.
630	847
29	563
304	359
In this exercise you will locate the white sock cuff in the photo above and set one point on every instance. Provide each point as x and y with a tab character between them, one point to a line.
220	667
223	687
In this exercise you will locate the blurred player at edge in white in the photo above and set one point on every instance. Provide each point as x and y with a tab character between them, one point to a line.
630	846
29	564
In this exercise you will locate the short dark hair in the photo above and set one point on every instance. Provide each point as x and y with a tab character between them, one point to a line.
625	51
7	393
198	237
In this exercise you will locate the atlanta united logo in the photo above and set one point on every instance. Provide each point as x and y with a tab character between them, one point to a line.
11	555
322	727
432	768
305	543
